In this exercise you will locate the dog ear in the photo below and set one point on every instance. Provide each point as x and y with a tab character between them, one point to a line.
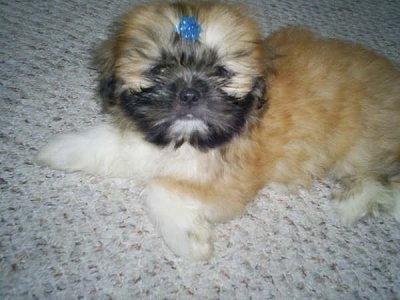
104	62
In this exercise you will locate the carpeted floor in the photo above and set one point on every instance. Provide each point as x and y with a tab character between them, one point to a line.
76	236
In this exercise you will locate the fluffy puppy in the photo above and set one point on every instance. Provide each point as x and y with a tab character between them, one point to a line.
206	112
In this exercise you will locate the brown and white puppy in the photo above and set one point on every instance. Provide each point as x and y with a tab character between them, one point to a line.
207	112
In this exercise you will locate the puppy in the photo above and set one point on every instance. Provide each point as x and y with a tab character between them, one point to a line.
206	112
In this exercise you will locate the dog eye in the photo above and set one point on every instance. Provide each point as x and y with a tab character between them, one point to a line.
159	69
222	72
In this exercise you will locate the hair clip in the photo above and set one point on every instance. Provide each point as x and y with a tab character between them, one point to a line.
188	28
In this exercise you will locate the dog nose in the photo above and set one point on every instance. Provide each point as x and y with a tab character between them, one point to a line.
189	96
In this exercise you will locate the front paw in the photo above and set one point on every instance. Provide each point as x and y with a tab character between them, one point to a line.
193	239
67	152
181	220
93	151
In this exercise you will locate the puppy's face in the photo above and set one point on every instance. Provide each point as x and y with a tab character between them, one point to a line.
203	85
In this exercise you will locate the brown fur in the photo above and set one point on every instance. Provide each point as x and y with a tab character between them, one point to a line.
334	108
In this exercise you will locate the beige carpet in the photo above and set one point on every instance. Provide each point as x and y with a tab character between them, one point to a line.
76	236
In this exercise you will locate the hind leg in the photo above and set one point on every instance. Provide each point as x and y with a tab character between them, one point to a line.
364	195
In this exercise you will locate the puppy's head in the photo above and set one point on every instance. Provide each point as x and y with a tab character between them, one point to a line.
184	73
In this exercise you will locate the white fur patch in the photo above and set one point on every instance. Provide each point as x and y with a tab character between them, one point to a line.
181	222
102	150
368	196
185	128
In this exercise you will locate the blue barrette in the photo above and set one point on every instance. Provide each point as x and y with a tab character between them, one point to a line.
189	29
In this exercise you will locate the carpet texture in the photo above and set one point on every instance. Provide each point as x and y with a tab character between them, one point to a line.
76	236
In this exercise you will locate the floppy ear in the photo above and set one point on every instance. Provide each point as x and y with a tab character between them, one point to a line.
104	62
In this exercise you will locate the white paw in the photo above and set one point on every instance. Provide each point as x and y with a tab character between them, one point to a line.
363	197
96	150
191	240
350	210
181	222
66	152
103	150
